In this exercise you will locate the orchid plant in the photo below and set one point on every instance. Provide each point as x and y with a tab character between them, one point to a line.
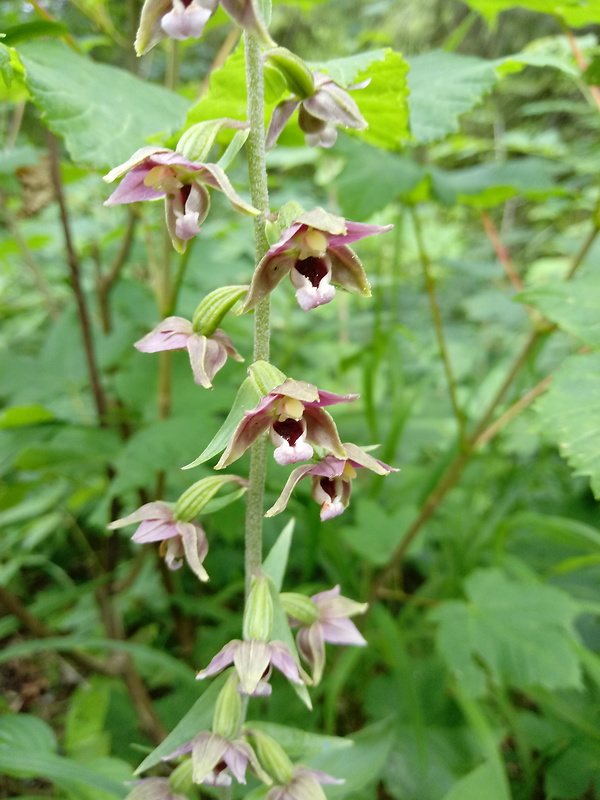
312	247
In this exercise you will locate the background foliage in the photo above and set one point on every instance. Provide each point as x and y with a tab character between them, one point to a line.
481	559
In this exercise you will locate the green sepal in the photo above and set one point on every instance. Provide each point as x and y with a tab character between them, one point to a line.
194	499
265	376
300	607
228	708
272	232
213	308
297	75
180	780
258	613
289	213
272	757
196	142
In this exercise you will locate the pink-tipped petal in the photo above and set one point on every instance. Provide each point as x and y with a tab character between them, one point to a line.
247	432
356	231
321	431
342	631
186	226
206	358
310	296
208	750
281	116
195	546
153	511
251	659
224	340
171	334
184	23
132	189
331	398
282	659
324	777
223	659
311	647
236	757
154	530
359	458
287	454
213	175
331	509
270	272
333	104
347	271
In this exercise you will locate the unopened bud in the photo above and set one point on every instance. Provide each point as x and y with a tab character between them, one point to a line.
299	607
297	75
258	614
265	376
272	757
228	709
213	308
180	780
194	499
196	142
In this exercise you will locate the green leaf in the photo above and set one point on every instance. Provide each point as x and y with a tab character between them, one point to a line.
298	744
6	69
247	397
345	71
482	782
104	113
62	771
384	532
18	416
443	86
275	564
23	732
486	185
573	305
85	737
570	411
576	13
198	718
33	30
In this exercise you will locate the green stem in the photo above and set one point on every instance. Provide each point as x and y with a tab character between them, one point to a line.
260	198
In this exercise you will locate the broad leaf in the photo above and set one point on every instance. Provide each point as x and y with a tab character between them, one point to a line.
299	744
275	563
574	12
478	784
522	632
104	113
570	411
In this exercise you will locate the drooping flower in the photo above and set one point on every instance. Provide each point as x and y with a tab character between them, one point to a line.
185	19
331	480
333	625
159	524
156	172
314	251
304	785
216	759
153	789
207	353
293	413
252	659
328	106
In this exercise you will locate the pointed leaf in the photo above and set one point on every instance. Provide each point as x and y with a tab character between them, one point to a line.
275	564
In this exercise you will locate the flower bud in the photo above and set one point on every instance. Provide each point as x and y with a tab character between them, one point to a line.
299	607
272	757
180	780
228	708
194	499
213	308
297	75
258	614
196	142
265	376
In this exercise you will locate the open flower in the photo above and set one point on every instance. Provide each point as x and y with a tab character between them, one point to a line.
207	353
154	789
333	625
216	758
329	105
314	251
155	172
305	784
293	413
331	480
252	659
158	524
185	19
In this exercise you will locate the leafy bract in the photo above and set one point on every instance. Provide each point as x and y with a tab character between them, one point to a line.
570	411
574	12
522	633
573	305
275	563
481	782
104	113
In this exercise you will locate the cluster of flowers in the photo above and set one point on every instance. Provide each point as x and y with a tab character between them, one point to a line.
312	247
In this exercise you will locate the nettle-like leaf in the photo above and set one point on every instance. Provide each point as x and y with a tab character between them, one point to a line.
574	12
570	411
573	305
522	632
104	113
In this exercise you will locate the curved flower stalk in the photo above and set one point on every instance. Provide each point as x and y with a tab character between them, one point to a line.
207	353
216	759
314	251
319	113
252	659
333	624
185	19
294	415
153	173
331	480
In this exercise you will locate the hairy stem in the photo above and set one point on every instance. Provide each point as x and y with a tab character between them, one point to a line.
260	198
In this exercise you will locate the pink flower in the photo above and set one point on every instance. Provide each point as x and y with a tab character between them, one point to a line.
207	353
155	172
334	626
305	784
252	659
179	538
215	759
331	480
153	789
314	251
293	413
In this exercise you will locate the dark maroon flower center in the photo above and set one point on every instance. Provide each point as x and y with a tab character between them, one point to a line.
187	3
289	429
328	486
313	268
